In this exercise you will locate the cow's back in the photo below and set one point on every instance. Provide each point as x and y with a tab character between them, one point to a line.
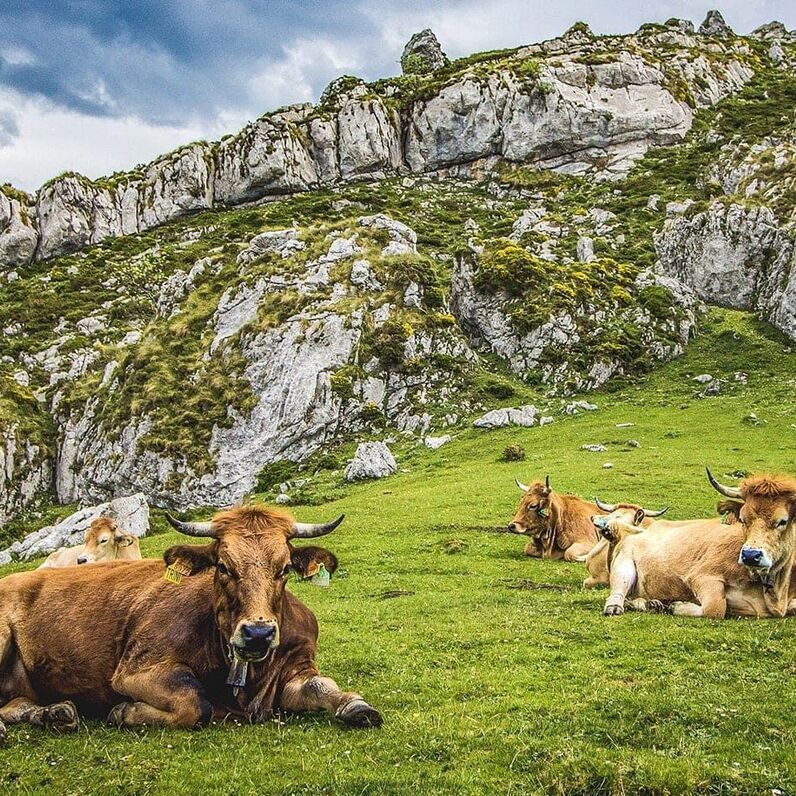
670	556
63	557
70	626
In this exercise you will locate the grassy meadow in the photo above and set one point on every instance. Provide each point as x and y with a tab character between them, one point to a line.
496	673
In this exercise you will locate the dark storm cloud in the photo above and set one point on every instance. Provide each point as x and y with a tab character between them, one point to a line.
161	61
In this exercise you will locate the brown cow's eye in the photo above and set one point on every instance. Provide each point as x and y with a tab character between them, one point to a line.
222	570
782	523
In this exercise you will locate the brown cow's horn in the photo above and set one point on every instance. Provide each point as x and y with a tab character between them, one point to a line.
658	513
727	491
191	528
609	507
522	487
547	485
305	530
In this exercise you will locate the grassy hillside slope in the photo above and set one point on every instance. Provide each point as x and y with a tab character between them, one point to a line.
496	673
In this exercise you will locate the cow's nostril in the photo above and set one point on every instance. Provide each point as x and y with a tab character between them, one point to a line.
258	634
751	556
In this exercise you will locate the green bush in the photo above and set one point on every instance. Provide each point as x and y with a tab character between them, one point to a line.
275	473
513	453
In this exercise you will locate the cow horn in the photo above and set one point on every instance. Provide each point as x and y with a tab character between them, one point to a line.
727	491
547	485
522	487
658	513
609	507
191	528
305	530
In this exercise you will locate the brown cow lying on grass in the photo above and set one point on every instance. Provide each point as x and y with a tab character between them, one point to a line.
560	526
104	541
707	568
160	652
597	559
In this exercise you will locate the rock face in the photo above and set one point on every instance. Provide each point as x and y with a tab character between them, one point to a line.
714	25
291	367
736	256
372	460
486	319
422	54
185	362
18	236
549	106
25	472
497	418
131	514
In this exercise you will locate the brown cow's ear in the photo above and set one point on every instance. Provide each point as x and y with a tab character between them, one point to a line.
729	509
191	558
307	560
638	517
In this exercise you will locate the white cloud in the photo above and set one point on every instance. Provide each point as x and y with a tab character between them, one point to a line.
52	140
17	56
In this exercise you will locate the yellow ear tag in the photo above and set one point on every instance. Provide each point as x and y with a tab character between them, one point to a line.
174	573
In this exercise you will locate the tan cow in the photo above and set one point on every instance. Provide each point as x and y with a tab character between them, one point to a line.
706	568
597	559
560	526
104	541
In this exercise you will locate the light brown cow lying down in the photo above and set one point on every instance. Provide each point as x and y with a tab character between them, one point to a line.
104	541
706	568
597	558
560	526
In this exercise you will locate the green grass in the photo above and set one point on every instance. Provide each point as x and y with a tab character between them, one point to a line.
495	673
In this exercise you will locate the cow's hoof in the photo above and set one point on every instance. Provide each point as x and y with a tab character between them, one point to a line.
61	717
358	713
657	607
116	716
613	610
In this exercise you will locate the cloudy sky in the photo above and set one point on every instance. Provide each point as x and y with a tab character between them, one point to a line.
99	85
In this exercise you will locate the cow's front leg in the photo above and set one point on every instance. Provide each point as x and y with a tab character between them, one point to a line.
578	551
164	696
534	549
60	716
623	579
303	694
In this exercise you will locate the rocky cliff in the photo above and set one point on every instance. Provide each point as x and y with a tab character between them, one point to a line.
578	103
511	227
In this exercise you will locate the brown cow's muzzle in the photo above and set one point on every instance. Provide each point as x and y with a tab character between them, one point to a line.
252	641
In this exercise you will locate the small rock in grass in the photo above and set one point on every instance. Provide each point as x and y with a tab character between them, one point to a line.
524	416
372	460
633	443
704	378
576	407
546	420
608	466
282	498
594	448
625	425
436	442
